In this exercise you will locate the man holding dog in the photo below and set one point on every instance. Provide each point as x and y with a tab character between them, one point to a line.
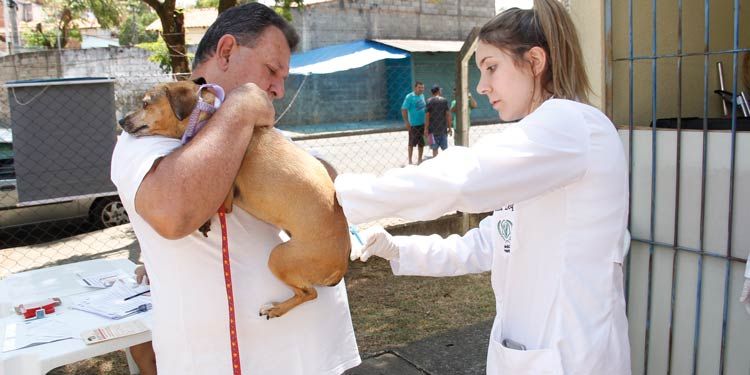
170	190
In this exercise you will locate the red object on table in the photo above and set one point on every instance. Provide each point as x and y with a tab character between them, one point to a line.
28	310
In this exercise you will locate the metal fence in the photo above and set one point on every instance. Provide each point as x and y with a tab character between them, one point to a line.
689	179
56	138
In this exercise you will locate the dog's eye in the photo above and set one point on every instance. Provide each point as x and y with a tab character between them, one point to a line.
145	104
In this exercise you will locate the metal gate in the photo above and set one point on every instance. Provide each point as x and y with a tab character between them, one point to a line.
689	153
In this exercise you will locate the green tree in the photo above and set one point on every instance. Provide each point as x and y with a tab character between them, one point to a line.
173	27
207	4
107	13
133	28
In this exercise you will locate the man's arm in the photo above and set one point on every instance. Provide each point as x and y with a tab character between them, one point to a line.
405	115
449	121
185	188
426	122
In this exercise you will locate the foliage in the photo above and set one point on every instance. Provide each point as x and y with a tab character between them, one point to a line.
133	32
160	54
36	39
107	12
47	38
284	7
133	27
207	4
63	13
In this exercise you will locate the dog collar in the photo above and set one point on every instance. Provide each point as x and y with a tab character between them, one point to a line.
194	126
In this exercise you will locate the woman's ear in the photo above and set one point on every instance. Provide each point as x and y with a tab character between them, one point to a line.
537	58
224	48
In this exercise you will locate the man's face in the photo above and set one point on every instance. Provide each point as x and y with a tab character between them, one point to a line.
266	64
418	89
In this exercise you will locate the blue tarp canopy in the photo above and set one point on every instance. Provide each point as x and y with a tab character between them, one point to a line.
342	57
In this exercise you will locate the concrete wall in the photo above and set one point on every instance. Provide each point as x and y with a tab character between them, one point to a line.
588	17
348	20
128	65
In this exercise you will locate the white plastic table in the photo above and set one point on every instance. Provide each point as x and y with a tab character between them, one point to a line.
61	281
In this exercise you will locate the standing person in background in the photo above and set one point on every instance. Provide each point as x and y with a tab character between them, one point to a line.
557	181
437	120
454	109
412	110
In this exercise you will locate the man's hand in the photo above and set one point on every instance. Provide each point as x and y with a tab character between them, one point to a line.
250	102
745	295
450	130
377	242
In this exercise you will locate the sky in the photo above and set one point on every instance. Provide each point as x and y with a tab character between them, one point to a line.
505	4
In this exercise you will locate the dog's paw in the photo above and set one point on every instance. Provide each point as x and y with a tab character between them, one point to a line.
269	310
205	228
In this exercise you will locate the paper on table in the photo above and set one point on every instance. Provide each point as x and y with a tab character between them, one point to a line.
112	304
102	279
113	331
19	335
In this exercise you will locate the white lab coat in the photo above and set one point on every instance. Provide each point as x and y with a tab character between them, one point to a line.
555	254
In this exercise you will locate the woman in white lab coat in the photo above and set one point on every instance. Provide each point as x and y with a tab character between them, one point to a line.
557	183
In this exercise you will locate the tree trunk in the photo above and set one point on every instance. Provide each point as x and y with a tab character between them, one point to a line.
64	27
174	37
173	33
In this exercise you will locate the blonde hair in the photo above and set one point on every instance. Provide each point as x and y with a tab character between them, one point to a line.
548	26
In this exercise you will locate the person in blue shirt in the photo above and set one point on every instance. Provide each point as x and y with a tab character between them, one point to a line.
412	110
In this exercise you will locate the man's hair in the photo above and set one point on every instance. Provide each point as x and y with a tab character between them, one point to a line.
435	89
245	22
418	83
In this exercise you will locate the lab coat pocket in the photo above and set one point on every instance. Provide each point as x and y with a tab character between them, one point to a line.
505	360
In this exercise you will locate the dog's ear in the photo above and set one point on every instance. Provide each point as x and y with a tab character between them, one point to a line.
182	100
200	81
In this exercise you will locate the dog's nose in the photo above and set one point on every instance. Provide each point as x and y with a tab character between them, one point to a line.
121	121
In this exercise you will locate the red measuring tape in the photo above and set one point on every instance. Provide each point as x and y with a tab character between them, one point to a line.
230	296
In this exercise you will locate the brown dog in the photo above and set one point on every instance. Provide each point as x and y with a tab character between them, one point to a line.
278	183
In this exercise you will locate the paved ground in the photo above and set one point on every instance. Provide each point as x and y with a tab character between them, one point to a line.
458	352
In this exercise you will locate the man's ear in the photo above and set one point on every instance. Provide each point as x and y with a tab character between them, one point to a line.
182	100
199	81
224	48
537	59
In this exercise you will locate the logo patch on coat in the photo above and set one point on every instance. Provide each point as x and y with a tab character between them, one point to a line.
505	228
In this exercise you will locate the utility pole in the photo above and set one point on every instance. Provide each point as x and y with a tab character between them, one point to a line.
13	41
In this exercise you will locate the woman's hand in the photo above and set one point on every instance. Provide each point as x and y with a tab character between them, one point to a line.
377	242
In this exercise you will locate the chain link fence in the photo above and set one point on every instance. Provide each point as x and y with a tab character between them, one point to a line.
57	204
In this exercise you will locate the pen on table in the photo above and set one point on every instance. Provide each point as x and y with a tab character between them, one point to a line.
136	295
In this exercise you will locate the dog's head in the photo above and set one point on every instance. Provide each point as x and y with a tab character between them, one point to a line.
165	109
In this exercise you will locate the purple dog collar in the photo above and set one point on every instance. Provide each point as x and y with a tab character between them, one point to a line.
194	126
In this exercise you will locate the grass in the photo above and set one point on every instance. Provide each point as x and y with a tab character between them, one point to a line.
388	312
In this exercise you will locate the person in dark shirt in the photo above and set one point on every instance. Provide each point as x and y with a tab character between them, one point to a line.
437	121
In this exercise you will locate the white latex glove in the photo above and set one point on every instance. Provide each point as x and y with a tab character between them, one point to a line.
377	242
745	295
